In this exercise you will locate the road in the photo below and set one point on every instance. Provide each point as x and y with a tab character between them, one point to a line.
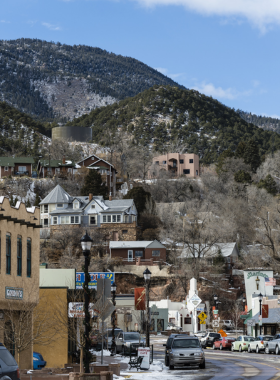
223	365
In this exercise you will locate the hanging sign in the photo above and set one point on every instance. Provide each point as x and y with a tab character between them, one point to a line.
80	279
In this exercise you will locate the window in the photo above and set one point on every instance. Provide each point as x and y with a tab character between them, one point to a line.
114	218
77	220
64	220
104	218
181	161
124	231
191	161
0	250
57	170
55	220
22	169
8	254
118	218
69	170
92	206
138	253
187	321
46	222
164	162
46	209
186	171
172	320
108	218
157	162
156	253
76	205
28	258
196	172
74	220
19	256
59	205
92	220
6	168
126	219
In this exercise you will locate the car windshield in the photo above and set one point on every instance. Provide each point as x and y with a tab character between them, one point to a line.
266	338
7	358
186	343
214	335
131	336
248	339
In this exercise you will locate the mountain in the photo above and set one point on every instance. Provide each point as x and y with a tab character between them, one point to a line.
163	115
265	122
51	80
19	133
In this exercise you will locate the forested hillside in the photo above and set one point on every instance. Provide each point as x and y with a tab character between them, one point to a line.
164	114
19	133
52	80
265	122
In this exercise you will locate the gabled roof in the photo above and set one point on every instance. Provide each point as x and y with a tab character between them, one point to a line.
98	159
57	195
11	161
56	163
136	244
226	250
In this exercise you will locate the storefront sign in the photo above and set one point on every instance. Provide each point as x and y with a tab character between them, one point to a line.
255	274
14	293
80	279
76	310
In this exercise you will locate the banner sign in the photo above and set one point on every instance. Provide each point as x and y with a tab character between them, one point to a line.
14	293
265	311
76	310
80	279
140	298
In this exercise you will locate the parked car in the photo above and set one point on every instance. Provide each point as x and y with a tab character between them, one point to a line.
258	344
273	345
228	324
38	361
209	338
8	365
186	350
241	343
128	342
167	346
223	343
171	326
108	337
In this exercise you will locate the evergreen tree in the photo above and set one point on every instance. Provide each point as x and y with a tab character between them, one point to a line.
94	184
27	203
251	155
140	197
242	177
268	184
37	200
12	202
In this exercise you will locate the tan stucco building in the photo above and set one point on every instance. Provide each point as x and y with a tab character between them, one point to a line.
19	275
176	164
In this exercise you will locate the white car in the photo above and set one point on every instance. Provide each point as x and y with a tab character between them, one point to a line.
258	344
171	326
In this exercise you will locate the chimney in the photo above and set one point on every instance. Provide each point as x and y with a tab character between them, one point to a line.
63	160
110	196
90	197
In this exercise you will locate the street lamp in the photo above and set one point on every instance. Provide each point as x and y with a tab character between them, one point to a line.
113	319
215	299
147	278
86	243
244	301
260	301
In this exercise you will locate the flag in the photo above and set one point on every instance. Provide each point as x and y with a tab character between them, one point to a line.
140	298
270	281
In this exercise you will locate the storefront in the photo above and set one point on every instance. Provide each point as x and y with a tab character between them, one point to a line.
159	319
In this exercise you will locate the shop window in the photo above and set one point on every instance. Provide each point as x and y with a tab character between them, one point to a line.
172	320
28	257
19	256
187	321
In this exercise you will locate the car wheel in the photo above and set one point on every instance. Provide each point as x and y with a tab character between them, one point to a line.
171	367
232	348
221	347
202	365
276	350
266	350
240	348
166	361
249	349
257	350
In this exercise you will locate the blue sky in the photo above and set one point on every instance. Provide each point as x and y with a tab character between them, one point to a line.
225	48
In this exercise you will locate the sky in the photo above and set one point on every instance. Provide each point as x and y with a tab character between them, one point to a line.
228	49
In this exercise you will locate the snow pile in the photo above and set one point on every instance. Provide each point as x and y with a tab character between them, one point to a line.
98	353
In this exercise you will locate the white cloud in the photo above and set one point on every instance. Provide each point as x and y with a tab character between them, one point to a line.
220	93
162	70
261	13
51	26
5	22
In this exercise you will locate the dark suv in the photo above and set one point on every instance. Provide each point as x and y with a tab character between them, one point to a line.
8	366
168	347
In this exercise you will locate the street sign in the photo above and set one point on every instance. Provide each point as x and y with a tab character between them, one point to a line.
260	317
215	312
200	308
223	333
251	323
202	322
195	300
216	316
202	316
215	323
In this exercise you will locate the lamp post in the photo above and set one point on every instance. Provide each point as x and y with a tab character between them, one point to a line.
244	301
86	242
260	320
147	278
113	319
215	299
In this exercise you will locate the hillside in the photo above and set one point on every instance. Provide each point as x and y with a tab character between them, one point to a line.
19	133
164	114
49	80
265	122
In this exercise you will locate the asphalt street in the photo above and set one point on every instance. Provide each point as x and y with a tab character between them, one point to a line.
222	365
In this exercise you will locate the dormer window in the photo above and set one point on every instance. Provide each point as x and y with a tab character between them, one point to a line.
59	205
76	205
92	206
